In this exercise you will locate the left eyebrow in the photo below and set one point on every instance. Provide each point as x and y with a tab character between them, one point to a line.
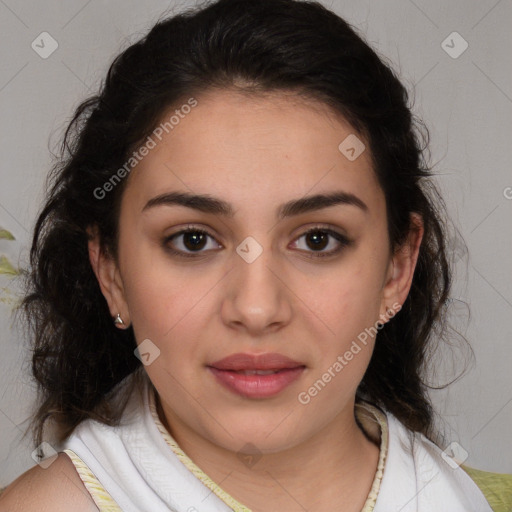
216	206
318	202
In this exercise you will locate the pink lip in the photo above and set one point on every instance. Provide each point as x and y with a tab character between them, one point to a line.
267	361
227	373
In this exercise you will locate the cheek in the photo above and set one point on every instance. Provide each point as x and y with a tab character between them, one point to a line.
349	301
163	301
342	354
349	305
165	311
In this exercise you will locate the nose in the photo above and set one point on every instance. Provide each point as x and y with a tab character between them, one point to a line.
257	299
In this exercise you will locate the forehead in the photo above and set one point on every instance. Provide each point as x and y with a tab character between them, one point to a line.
241	147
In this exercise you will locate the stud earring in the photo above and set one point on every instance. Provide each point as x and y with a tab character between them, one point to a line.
118	320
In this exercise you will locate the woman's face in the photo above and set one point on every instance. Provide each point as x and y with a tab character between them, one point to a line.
255	284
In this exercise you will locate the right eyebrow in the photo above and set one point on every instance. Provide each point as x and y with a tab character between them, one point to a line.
201	202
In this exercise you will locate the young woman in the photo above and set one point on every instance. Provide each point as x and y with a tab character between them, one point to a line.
236	279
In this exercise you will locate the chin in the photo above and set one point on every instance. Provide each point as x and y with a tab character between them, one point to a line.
262	433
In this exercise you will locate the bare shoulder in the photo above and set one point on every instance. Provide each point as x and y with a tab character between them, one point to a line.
57	488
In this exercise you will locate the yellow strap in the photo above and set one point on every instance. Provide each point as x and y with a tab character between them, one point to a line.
377	416
189	464
373	414
101	497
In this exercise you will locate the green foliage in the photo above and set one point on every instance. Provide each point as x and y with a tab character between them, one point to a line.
6	235
5	264
6	269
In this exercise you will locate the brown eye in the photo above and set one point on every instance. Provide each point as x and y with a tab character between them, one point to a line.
316	240
193	240
189	242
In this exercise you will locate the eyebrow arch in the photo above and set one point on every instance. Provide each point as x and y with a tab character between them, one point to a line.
208	204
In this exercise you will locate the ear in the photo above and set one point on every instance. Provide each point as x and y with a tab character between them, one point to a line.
401	269
107	273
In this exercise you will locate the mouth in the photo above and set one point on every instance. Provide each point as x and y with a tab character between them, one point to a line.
256	372
256	376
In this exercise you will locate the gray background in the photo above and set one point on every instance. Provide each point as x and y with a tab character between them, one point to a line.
465	101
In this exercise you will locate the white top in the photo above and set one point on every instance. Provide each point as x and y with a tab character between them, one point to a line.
142	468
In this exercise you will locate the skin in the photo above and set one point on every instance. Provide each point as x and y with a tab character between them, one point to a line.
256	153
57	488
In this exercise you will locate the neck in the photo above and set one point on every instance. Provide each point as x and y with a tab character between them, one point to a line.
334	468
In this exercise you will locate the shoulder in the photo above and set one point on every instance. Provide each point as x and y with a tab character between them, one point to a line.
56	488
496	487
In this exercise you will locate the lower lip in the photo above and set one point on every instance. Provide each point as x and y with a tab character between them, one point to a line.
257	386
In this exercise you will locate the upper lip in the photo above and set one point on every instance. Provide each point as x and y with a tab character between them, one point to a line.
267	361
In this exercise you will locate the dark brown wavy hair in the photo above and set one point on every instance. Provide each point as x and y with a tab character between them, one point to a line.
254	46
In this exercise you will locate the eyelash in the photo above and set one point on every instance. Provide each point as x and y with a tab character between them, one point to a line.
343	241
